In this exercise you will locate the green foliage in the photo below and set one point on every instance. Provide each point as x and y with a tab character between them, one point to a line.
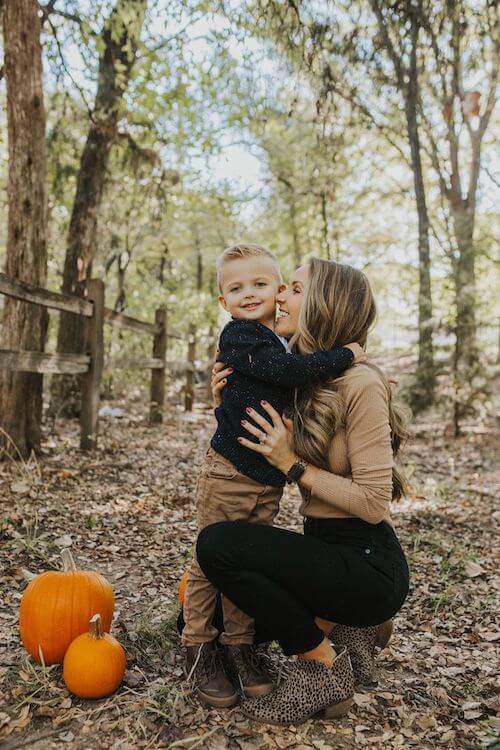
314	100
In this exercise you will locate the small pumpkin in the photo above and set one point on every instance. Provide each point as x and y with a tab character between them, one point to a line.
94	663
56	607
182	587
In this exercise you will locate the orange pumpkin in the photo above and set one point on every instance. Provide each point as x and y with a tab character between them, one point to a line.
94	663
56	607
182	587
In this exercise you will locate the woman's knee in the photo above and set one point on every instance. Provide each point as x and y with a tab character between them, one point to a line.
210	542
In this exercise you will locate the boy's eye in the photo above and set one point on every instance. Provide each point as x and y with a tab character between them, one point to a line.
261	283
234	289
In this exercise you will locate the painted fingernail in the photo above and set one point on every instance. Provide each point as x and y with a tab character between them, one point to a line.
243	421
248	410
239	440
264	403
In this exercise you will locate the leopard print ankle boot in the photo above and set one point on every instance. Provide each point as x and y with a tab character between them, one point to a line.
310	688
361	643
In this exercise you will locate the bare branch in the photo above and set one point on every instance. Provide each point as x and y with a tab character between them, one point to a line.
165	42
68	72
433	155
351	97
384	32
456	184
490	101
50	9
426	23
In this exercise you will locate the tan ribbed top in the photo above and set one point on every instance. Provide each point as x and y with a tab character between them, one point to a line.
361	460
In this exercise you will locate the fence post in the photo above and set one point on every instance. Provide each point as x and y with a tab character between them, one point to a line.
94	345
191	355
158	376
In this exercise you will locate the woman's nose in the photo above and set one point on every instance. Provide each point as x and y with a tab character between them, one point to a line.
282	294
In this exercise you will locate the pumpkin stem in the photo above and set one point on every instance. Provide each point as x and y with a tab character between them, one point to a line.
95	629
69	565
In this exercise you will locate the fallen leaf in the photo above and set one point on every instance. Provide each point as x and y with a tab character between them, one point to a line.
64	541
361	699
473	569
66	736
469	715
19	487
490	635
133	679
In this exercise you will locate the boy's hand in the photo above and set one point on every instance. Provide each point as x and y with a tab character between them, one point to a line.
219	379
358	351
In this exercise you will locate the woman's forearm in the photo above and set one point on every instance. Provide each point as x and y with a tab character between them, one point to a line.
307	479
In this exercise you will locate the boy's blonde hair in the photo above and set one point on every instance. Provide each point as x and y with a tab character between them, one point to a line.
245	250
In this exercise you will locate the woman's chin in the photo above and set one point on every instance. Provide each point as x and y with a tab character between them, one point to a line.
283	328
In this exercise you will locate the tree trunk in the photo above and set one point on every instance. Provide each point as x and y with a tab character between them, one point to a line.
324	217
466	363
24	325
120	36
422	395
297	252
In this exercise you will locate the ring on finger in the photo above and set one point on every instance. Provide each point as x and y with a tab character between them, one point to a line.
263	438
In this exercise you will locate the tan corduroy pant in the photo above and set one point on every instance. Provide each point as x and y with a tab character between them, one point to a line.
223	494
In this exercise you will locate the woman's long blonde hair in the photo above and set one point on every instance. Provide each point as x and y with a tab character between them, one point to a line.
338	309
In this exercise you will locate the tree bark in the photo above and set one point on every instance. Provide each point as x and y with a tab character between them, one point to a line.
121	36
324	217
422	395
24	325
297	252
466	362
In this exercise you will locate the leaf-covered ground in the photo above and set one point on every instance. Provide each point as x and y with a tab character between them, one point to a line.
128	512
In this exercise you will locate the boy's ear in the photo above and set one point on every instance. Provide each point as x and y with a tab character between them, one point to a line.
222	301
281	288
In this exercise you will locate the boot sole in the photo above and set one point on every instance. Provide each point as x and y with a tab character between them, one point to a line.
217	702
210	700
334	711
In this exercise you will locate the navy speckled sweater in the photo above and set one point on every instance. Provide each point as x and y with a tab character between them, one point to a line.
263	370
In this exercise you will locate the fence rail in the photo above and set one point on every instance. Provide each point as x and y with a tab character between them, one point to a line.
20	361
28	293
91	364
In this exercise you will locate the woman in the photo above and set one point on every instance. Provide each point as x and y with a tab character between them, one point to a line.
335	587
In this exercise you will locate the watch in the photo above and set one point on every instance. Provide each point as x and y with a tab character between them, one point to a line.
296	471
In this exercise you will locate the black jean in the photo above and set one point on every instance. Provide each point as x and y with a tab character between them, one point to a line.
343	570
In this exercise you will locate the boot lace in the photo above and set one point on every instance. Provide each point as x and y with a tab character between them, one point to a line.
250	663
209	665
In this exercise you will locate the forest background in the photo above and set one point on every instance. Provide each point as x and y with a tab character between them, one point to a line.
138	138
361	132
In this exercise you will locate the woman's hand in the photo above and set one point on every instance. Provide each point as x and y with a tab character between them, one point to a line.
275	437
219	379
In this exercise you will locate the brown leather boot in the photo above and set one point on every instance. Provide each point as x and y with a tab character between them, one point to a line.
205	665
250	670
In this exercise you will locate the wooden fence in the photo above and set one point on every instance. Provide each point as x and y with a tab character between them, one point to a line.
91	364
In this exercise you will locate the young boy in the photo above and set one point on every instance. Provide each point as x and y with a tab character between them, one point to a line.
235	483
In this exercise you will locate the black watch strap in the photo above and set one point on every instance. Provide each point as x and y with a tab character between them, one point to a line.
296	471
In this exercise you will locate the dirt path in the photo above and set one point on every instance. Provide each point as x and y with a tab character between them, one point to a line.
127	511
